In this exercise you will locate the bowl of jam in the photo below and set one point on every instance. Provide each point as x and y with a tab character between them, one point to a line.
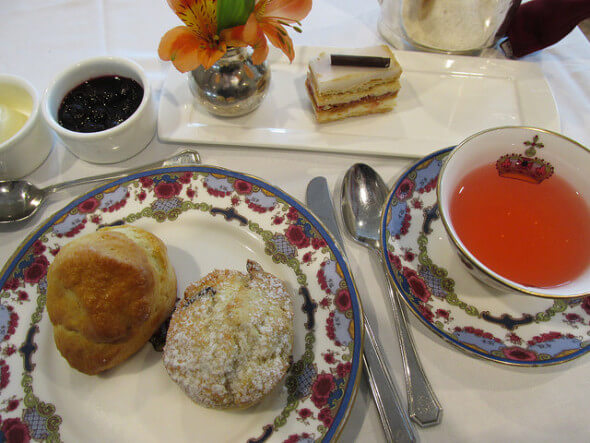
102	109
515	204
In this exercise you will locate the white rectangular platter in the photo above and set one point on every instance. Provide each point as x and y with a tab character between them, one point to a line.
443	99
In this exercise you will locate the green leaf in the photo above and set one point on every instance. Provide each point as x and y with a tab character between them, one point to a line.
232	13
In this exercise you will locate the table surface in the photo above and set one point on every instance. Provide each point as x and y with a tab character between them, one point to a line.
483	401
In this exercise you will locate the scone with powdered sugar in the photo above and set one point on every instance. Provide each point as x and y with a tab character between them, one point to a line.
230	338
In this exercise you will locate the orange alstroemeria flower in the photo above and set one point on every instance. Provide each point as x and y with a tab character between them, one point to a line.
271	15
267	21
249	34
197	43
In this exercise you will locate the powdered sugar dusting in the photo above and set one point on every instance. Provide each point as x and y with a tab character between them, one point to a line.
229	346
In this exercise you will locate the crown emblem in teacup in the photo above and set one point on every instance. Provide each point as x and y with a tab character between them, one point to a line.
525	166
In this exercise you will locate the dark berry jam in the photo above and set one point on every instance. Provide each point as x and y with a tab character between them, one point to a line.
100	103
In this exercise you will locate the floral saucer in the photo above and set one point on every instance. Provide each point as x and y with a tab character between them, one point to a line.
209	218
504	327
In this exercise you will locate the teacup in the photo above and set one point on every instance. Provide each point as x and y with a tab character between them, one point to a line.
25	139
504	196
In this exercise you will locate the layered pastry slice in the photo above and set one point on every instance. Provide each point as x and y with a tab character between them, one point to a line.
362	81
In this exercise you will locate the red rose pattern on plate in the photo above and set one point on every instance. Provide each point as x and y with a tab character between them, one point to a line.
551	331
319	388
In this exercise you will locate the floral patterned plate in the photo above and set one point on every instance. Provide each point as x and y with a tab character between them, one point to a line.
504	327
209	218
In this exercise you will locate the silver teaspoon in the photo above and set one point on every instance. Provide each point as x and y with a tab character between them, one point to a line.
363	197
19	199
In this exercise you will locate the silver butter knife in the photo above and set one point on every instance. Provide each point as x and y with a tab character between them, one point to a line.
394	418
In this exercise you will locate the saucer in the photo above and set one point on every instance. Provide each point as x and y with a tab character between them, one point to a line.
504	327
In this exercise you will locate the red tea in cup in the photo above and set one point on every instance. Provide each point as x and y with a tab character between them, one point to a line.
536	234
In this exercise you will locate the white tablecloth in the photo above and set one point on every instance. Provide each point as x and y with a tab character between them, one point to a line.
483	401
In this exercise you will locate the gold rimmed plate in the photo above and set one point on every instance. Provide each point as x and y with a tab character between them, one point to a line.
505	327
209	218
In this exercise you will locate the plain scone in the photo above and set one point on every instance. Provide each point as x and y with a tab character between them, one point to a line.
230	339
107	293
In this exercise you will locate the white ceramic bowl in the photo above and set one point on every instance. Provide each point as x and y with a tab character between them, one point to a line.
571	161
25	139
111	145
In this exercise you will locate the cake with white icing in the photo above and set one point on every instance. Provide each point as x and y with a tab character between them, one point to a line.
342	91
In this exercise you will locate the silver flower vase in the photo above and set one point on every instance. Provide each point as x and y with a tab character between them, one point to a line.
233	86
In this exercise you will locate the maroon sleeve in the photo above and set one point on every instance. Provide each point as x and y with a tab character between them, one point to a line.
541	23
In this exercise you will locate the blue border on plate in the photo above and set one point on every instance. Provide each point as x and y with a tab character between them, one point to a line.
350	388
446	336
